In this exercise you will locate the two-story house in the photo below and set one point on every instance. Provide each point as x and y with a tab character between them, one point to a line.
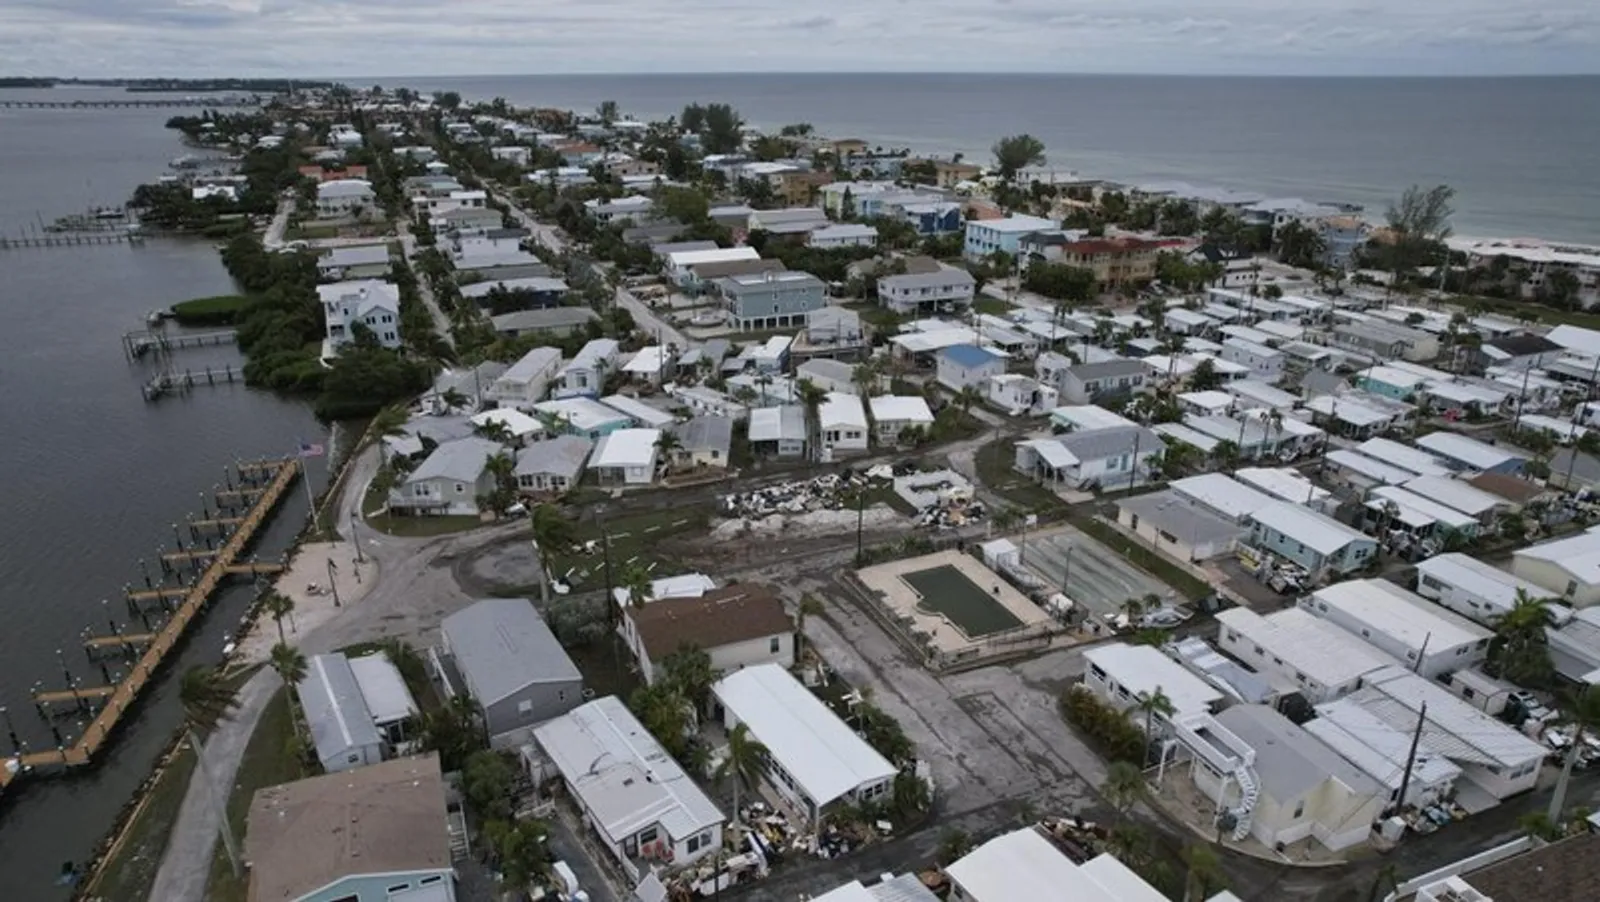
369	302
1115	262
924	292
450	481
585	374
985	236
772	300
1089	382
344	197
524	384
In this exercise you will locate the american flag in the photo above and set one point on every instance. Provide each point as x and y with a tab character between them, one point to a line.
307	449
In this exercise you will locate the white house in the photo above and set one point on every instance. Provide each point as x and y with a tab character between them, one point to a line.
449	481
814	759
625	457
843	422
1222	494
1323	661
1114	457
554	465
680	264
1024	865
1472	588
372	303
1492	755
1382	753
639	412
581	416
344	197
893	414
1019	395
1122	675
739	626
585	374
947	286
1424	636
1568	568
527	381
968	365
337	717
520	426
985	236
1279	783
1183	528
780	431
844	234
634	796
828	375
1266	364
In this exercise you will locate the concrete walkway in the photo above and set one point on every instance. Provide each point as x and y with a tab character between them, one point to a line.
186	865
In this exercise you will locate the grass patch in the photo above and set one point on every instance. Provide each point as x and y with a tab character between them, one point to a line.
219	310
1548	315
131	871
994	469
268	761
310	232
992	306
1151	562
634	538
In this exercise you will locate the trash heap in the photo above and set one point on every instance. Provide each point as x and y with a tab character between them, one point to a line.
830	491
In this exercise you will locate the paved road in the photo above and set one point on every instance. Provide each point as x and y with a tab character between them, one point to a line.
441	322
414	591
273	240
647	320
547	235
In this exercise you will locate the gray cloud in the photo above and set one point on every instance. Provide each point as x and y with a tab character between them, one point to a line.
450	37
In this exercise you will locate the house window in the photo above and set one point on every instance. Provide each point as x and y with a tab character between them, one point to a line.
776	644
525	706
647	836
1299	808
398	888
429	881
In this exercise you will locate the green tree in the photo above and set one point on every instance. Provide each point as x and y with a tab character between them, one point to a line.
744	763
1205	377
665	713
452	731
1014	153
550	530
688	671
668	444
1519	651
607	111
1152	704
1060	281
1124	785
519	850
1418	222
1203	874
723	127
1585	714
809	607
278	606
1226	455
1298	245
487	782
635	579
206	699
290	663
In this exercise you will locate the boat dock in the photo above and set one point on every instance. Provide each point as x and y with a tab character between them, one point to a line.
199	573
69	239
140	342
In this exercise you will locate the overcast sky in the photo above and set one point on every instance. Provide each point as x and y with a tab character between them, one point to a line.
488	37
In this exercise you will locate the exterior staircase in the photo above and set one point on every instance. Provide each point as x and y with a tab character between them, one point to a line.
1249	791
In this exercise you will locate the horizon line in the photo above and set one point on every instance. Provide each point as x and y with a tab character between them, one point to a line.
840	73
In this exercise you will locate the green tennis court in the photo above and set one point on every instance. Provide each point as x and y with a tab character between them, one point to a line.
946	590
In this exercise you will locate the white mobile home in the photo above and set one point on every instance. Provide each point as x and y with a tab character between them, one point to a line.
1472	588
1569	568
1122	674
1424	636
1382	753
1322	660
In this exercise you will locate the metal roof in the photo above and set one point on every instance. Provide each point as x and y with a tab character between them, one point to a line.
1472	501
1495	586
562	455
1319	532
1357	462
1144	670
1223	494
336	712
1320	650
1453	727
1379	750
826	759
622	775
1022	864
1409	619
1180	517
1468	451
383	688
970	355
626	448
462	460
502	645
1405	457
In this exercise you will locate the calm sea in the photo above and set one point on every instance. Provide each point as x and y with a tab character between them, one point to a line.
1519	151
93	476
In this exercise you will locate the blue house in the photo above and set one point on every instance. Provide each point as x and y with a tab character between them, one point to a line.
985	236
1320	544
772	300
933	218
960	366
1391	382
303	844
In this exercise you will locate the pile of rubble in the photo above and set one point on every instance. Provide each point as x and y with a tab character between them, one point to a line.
819	522
830	491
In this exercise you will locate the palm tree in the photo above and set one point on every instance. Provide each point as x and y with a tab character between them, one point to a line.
636	580
968	396
388	422
1151	704
812	396
809	607
278	606
865	378
1586	716
745	760
667	446
290	664
550	530
206	700
1132	607
503	468
1123	786
1225	455
1204	875
1519	651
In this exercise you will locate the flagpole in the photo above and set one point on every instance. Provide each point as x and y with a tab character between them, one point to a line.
311	501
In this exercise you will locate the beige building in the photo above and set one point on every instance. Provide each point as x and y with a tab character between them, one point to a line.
1115	262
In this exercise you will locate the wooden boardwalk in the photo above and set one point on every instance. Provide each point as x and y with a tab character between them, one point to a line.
120	697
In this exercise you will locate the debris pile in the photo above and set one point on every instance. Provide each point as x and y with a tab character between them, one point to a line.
830	491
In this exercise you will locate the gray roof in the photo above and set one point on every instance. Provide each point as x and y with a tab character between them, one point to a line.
706	434
757	282
469	381
547	318
1290	761
357	255
715	349
560	456
336	713
459	459
1181	517
502	645
1107	369
943	276
677	247
1101	443
827	369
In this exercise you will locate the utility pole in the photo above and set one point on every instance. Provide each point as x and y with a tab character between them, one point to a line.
1411	757
1422	653
861	516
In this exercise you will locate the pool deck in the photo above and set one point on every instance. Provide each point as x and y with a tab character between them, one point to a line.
888	580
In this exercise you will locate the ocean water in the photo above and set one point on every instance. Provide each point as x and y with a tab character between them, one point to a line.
93	476
1518	151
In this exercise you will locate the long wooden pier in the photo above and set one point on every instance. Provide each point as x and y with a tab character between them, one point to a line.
115	699
69	239
173	382
141	342
190	102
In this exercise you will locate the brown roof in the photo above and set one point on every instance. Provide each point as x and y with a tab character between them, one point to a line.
372	820
726	268
1565	871
1512	488
738	613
